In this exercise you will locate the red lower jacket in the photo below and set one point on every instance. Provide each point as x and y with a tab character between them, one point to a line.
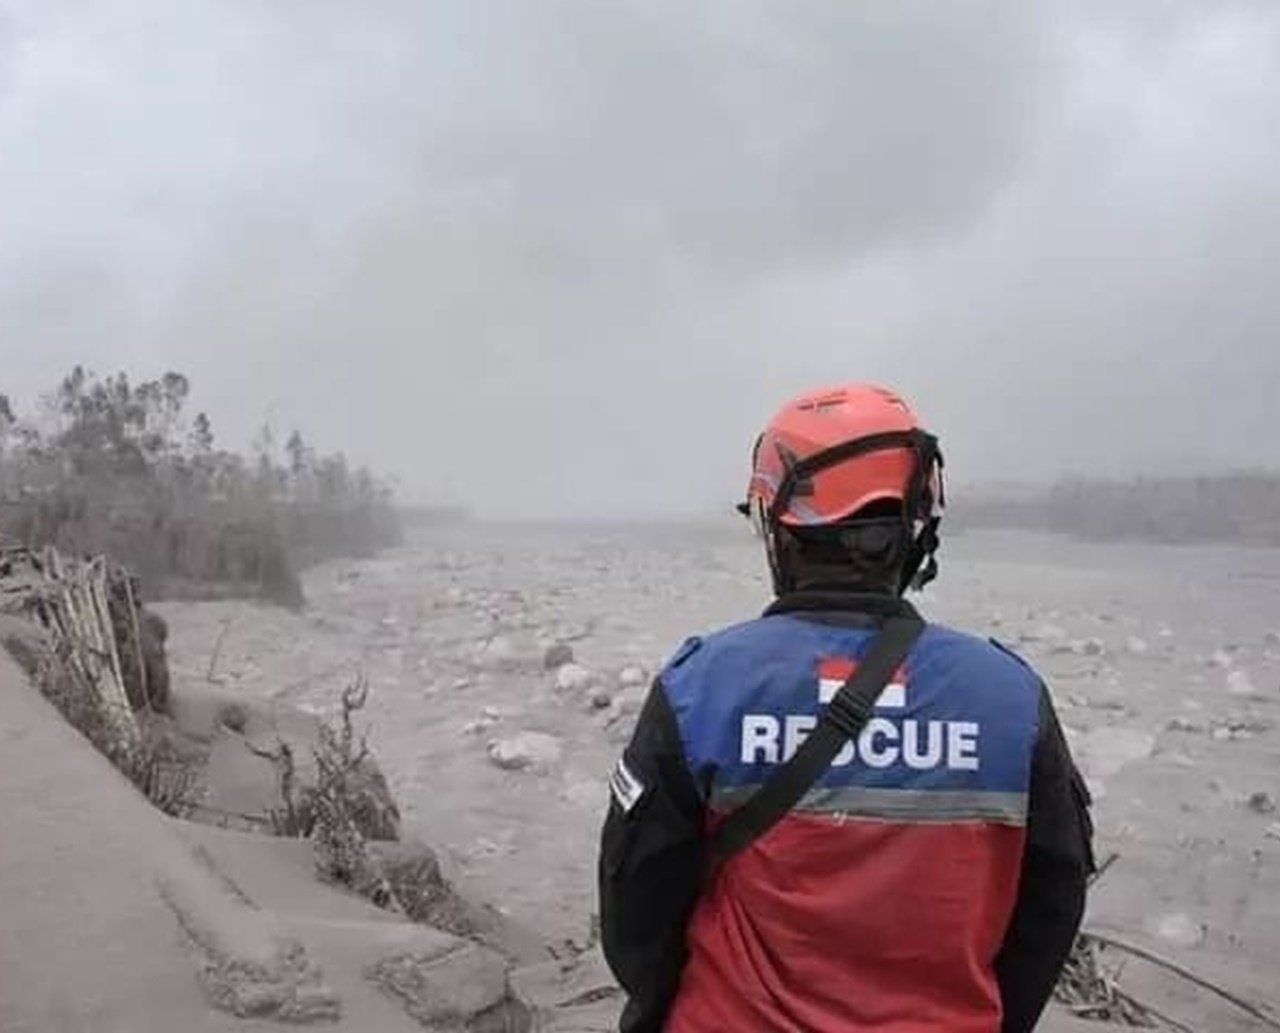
851	926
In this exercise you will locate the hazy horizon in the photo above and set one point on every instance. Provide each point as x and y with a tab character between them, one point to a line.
565	259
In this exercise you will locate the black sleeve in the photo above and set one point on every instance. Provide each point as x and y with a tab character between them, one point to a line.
651	862
1055	873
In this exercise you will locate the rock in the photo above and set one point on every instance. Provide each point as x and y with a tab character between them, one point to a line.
528	750
633	677
233	715
1078	647
1261	803
1184	724
1252	725
1271	640
1105	751
1180	930
1222	734
1273	830
462	683
489	717
600	699
573	677
557	655
1240	684
1136	646
1046	633
1219	659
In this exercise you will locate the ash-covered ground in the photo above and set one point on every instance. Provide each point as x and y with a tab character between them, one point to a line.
1164	662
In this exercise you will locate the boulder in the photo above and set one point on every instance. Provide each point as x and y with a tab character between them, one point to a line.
633	677
557	655
1184	724
1180	930
1240	684
1136	646
574	677
528	750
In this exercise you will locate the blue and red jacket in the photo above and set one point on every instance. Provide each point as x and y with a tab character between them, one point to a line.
933	880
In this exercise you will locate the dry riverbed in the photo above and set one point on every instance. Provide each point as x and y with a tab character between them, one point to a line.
1165	664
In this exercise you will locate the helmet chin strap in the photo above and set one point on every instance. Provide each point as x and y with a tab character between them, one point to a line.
921	565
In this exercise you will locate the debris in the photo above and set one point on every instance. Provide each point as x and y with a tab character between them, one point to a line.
1240	684
573	677
1089	991
1184	724
557	655
1180	929
1185	974
480	724
233	715
1048	633
1078	647
632	677
1236	728
535	750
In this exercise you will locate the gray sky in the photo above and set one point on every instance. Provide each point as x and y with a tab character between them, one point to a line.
558	256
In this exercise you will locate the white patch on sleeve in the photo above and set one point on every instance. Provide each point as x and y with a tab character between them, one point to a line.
625	787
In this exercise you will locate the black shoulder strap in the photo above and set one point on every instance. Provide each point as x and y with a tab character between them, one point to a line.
844	717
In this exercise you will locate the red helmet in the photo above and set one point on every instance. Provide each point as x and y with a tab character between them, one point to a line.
829	454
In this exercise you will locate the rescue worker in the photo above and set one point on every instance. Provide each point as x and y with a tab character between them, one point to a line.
933	880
